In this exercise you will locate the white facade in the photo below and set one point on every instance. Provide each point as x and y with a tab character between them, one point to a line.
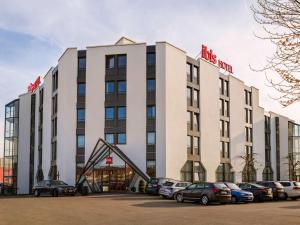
170	117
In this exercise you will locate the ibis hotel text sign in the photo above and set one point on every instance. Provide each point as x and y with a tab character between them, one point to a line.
34	85
211	57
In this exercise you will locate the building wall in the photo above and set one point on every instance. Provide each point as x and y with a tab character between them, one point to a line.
209	118
258	134
171	103
284	137
237	125
135	147
66	116
24	143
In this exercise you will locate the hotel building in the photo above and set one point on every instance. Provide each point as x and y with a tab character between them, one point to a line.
161	112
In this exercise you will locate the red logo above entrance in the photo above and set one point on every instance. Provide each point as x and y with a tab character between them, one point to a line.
33	86
109	160
211	57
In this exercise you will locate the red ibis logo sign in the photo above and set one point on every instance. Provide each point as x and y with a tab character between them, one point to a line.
109	160
33	86
208	55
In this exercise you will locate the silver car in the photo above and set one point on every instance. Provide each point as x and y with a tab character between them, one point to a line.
169	189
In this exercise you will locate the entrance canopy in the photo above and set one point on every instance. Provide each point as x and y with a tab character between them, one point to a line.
109	169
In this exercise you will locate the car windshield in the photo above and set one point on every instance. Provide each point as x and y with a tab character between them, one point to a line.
278	185
58	182
257	186
220	185
153	181
168	184
297	184
233	186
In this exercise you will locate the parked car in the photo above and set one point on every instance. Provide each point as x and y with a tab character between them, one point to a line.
205	192
1	188
170	188
239	195
259	192
291	189
277	188
155	184
54	188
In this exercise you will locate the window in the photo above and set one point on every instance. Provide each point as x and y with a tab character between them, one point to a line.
189	96
189	72
80	141
196	99
109	113
221	107
226	92
150	85
81	63
109	138
121	61
196	145
151	165
80	115
110	62
226	108
222	128
221	86
151	112
151	138
189	120
81	89
121	138
150	59
109	87
226	129
195	75
122	113
189	144
121	87
196	121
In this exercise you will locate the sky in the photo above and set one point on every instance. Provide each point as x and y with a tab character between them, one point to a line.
34	34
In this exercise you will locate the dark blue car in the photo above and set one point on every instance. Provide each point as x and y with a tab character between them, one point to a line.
239	195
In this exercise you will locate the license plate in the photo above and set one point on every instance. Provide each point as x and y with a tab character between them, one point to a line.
223	193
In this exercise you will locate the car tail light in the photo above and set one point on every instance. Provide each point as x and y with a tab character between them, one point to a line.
214	190
296	188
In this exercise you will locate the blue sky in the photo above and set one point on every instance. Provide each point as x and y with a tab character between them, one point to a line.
34	33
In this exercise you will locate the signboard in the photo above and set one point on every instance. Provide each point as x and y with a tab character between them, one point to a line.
109	160
33	86
208	55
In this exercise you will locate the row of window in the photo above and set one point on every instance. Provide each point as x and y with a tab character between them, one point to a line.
111	111
224	128
224	87
110	87
192	73
248	98
192	97
193	119
193	144
225	150
55	81
248	116
224	107
248	134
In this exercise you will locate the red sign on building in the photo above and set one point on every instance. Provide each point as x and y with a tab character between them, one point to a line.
33	86
109	160
211	57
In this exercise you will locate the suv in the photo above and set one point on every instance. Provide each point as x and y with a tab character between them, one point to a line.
169	189
260	193
155	184
205	192
54	188
291	189
277	188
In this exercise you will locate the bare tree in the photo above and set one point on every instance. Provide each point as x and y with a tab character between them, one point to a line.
280	20
250	164
294	167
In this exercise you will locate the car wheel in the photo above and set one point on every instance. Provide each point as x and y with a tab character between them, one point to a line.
233	200
164	196
179	198
36	193
294	198
55	193
285	196
204	200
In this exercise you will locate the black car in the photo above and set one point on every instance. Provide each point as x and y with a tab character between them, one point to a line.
205	192
277	188
259	192
155	184
54	188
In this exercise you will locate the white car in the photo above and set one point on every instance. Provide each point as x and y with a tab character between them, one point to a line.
169	189
291	189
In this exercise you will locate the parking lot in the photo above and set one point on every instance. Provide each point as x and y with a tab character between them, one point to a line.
136	209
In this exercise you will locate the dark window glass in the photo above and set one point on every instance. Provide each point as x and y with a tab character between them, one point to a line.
195	75
150	59
80	115
151	138
150	85
110	62
121	86
81	89
121	61
109	138
80	141
109	113
81	63
151	112
122	113
122	138
189	72
109	87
